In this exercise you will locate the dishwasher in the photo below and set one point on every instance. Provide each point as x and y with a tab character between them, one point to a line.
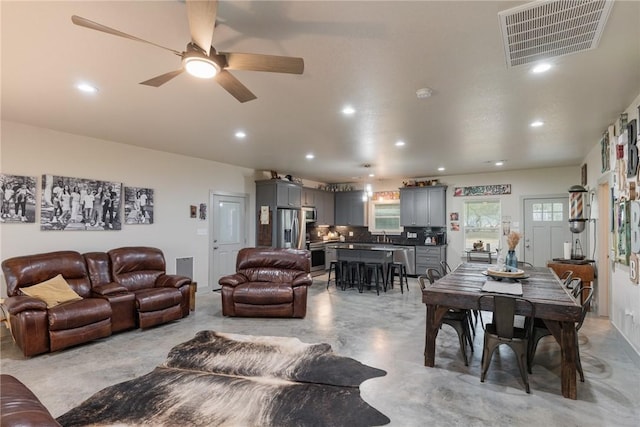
407	256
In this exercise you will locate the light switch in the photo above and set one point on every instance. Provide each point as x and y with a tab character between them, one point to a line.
201	231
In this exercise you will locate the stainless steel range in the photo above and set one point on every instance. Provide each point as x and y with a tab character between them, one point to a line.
317	257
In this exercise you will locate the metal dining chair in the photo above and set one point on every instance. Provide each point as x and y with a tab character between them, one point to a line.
540	330
503	331
574	285
566	277
457	319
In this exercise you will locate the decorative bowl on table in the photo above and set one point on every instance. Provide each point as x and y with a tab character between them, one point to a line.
512	273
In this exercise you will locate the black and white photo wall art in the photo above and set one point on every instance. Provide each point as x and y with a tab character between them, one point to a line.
17	198
138	205
79	204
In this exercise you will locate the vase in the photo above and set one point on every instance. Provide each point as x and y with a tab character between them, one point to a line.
511	260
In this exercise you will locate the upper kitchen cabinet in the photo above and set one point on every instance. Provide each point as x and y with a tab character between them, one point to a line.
324	203
423	206
283	193
309	196
350	208
325	207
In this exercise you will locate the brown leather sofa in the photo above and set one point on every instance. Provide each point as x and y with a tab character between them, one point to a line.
268	282
120	289
20	407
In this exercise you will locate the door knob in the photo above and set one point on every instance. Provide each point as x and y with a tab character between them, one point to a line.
215	247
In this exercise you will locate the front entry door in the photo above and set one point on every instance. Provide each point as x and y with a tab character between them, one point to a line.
546	228
228	236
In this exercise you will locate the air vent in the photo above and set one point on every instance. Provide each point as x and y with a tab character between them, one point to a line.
547	29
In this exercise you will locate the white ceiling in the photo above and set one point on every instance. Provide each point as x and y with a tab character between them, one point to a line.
372	55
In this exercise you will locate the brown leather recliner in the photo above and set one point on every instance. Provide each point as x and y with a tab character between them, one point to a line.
20	407
123	302
269	282
159	297
38	329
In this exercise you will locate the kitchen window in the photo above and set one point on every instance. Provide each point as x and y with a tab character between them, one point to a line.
384	216
482	221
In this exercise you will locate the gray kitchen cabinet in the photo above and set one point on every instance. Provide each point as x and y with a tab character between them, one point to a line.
430	257
278	194
282	194
325	206
350	209
423	206
309	196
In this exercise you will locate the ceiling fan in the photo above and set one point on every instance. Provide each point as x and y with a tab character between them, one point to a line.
202	60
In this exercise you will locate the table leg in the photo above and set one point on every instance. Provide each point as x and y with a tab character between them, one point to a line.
434	319
565	335
568	354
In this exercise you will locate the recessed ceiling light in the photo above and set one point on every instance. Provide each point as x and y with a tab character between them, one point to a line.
541	68
240	134
400	143
348	110
499	163
371	175
424	92
536	124
86	88
310	156
440	169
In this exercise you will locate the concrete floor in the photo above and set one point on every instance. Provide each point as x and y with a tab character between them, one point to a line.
386	332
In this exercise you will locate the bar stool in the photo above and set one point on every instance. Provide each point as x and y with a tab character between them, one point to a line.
392	267
356	273
339	269
375	269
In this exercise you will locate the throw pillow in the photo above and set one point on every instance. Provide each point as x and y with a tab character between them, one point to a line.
53	291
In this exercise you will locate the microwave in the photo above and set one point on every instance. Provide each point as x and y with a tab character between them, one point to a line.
310	214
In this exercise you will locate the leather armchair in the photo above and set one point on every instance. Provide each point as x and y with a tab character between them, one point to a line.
20	407
38	329
159	297
269	282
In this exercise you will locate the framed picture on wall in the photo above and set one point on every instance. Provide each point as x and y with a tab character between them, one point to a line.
17	199
138	205
75	204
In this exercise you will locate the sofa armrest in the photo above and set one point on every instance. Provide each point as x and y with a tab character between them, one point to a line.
20	407
171	281
20	303
109	289
303	279
233	280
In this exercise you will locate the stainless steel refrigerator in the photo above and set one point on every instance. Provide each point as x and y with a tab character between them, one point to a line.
290	229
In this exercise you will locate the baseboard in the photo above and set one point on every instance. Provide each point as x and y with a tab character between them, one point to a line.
628	347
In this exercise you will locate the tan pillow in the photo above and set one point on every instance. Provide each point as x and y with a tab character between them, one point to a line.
53	291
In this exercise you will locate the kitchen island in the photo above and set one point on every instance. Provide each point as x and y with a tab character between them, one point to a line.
378	255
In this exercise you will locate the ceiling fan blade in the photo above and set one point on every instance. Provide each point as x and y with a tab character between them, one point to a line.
83	22
270	63
234	87
162	79
202	21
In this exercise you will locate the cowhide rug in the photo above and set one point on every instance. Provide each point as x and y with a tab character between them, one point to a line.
218	379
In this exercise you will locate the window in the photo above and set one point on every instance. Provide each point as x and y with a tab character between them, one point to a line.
547	212
482	221
384	216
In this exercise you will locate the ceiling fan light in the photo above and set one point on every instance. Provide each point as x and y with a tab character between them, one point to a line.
203	68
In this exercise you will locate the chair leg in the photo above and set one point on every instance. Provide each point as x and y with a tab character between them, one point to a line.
520	350
462	337
487	354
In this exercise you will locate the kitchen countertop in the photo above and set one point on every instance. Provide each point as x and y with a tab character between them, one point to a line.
333	243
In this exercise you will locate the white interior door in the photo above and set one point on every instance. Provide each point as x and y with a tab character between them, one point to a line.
228	236
546	228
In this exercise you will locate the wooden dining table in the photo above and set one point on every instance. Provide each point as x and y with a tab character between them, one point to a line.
551	300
